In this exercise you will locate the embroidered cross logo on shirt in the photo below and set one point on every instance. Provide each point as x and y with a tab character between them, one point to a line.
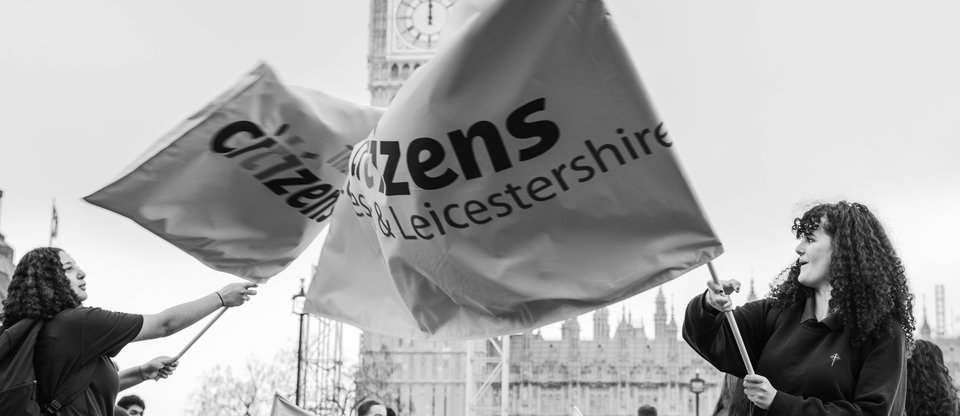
834	358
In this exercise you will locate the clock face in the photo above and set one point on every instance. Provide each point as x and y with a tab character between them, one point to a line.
419	21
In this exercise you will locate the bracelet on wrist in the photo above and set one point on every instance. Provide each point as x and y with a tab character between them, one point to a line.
222	303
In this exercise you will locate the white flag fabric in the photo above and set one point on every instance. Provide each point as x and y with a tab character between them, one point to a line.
281	407
247	183
519	178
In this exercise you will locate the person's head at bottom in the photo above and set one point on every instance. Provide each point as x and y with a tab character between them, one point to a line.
133	404
371	407
646	410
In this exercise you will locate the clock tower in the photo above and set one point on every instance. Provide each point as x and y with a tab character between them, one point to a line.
404	34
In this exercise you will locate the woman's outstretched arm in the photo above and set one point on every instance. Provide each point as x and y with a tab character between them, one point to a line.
172	320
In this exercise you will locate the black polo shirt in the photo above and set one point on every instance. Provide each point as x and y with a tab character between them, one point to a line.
811	363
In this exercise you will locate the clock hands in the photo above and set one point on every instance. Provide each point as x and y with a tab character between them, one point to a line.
416	23
430	12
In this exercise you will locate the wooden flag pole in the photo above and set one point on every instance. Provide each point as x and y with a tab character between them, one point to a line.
733	326
217	316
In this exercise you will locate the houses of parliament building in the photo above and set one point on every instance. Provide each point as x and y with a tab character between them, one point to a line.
616	371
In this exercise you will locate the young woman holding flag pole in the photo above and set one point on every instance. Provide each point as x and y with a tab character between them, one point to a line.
833	336
77	342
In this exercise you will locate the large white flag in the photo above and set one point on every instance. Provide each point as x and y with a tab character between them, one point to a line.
519	178
246	184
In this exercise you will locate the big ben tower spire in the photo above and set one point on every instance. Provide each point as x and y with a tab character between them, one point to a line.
660	316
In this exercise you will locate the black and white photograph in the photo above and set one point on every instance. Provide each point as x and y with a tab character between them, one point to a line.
479	208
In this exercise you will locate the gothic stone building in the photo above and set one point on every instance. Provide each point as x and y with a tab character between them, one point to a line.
6	262
611	374
6	266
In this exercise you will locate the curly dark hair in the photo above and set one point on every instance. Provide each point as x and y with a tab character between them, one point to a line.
38	288
930	390
869	288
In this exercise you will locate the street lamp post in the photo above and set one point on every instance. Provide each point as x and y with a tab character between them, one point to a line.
697	386
298	301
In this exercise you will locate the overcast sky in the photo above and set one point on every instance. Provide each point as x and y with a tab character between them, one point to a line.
772	106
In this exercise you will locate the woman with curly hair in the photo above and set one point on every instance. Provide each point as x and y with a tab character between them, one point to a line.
77	342
832	338
930	390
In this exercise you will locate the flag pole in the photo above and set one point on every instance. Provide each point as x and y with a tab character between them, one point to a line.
54	224
184	350
733	326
